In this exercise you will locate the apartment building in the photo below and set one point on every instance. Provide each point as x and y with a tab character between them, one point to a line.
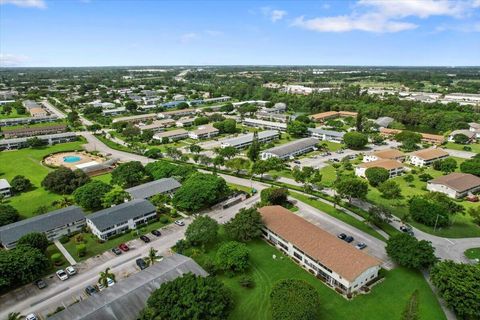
177	113
471	135
265	125
149	189
291	149
26	120
394	167
120	218
426	157
33	131
392	154
456	185
326	135
50	139
172	135
157	125
53	224
203	132
245	140
137	118
324	116
339	264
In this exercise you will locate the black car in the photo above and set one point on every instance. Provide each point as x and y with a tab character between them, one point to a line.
349	239
141	263
40	284
145	239
156	233
117	251
342	236
90	290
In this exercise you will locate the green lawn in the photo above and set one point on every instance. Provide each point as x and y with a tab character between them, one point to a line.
107	177
35	125
340	215
12	114
386	300
455	146
240	187
28	162
473	253
95	247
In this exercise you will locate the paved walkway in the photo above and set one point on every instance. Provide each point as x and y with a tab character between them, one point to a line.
446	310
65	253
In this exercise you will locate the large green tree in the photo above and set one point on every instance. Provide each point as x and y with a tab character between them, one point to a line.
20	184
351	187
245	226
376	175
129	174
232	256
293	299
409	252
200	191
35	240
297	129
64	180
164	169
202	230
428	212
274	196
189	297
355	140
459	285
471	166
91	195
8	214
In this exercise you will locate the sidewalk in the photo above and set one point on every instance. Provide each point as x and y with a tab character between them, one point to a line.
65	253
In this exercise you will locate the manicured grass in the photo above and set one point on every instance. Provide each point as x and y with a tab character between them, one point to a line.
337	214
455	146
473	253
51	250
12	114
107	177
95	247
36	125
328	175
240	187
28	162
386	300
112	144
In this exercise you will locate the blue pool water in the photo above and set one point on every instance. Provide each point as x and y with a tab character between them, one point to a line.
71	159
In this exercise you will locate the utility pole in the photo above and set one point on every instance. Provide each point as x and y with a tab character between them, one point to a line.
436	221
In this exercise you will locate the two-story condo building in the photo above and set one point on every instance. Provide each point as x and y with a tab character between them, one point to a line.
266	125
455	185
290	149
53	224
392	154
394	167
245	140
339	264
120	218
426	157
326	135
172	135
203	132
149	189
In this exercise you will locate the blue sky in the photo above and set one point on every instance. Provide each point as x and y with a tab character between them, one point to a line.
360	32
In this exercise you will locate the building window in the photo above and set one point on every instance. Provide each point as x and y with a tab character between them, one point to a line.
298	255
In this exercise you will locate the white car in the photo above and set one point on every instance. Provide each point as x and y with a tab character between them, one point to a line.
179	223
70	270
31	316
62	275
110	282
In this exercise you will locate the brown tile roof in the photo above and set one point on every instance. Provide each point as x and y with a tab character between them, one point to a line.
330	114
389	131
432	137
458	181
429	154
330	251
389	154
388	164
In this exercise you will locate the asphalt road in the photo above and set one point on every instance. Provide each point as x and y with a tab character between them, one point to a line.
61	293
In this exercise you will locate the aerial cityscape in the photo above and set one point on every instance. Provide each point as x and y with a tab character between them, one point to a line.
233	160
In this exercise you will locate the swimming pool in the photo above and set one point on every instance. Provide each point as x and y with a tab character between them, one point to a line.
71	159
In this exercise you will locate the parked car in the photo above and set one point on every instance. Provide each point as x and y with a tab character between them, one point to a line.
145	239
141	263
70	270
110	282
179	223
100	287
123	247
90	290
116	251
349	239
342	236
407	229
31	316
62	275
156	233
361	246
296	162
40	284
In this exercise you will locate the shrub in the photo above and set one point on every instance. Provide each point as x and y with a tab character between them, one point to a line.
81	249
164	219
246	282
64	239
56	258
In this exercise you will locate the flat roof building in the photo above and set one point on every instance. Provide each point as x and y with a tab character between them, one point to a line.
326	135
290	149
136	118
323	116
171	135
26	120
340	265
50	139
204	132
33	131
266	125
149	189
243	141
53	224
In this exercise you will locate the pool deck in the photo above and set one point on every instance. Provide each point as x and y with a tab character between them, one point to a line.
57	160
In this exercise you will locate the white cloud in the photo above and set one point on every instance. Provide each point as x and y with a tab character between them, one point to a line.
273	14
387	16
188	37
26	3
368	23
11	60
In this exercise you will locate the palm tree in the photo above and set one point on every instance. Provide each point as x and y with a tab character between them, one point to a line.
152	256
15	316
104	276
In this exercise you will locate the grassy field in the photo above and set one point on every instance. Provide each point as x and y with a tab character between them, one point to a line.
12	114
28	162
35	125
455	146
94	247
473	253
386	300
340	215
